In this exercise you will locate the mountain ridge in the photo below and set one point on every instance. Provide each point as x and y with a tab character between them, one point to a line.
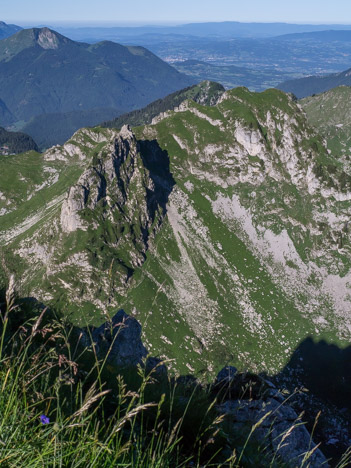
205	93
213	29
323	36
7	30
250	198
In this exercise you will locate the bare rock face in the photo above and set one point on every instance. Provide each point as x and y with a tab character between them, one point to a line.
120	341
74	203
281	430
47	39
102	180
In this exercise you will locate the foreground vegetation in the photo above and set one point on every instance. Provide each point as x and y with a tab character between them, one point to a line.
63	406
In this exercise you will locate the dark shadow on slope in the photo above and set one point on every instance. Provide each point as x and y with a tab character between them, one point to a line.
323	372
325	369
156	160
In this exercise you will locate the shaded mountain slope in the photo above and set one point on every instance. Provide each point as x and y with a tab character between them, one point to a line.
43	72
7	30
52	129
16	142
308	86
5	115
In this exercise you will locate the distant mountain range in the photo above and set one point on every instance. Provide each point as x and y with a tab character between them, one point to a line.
310	85
43	72
224	29
7	30
323	36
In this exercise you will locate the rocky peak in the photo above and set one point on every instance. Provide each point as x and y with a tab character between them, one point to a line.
108	179
209	93
126	133
48	39
24	39
120	202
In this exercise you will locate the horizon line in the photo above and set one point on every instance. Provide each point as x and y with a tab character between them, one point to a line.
131	24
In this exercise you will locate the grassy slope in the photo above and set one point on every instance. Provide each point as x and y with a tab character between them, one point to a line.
35	186
330	114
220	327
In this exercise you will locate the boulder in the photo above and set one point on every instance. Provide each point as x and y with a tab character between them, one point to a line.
156	368
226	375
281	430
120	340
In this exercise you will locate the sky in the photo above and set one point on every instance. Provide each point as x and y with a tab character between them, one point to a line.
35	12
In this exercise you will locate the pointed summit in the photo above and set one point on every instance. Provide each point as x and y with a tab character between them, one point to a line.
48	39
28	38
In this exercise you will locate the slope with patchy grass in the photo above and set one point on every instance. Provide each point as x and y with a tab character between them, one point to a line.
224	229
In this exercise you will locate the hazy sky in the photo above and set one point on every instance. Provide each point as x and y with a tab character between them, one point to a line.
167	11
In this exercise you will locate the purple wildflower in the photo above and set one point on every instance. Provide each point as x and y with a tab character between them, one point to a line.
44	419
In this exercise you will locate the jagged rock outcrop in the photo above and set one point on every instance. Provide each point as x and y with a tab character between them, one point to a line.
116	190
103	180
118	194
